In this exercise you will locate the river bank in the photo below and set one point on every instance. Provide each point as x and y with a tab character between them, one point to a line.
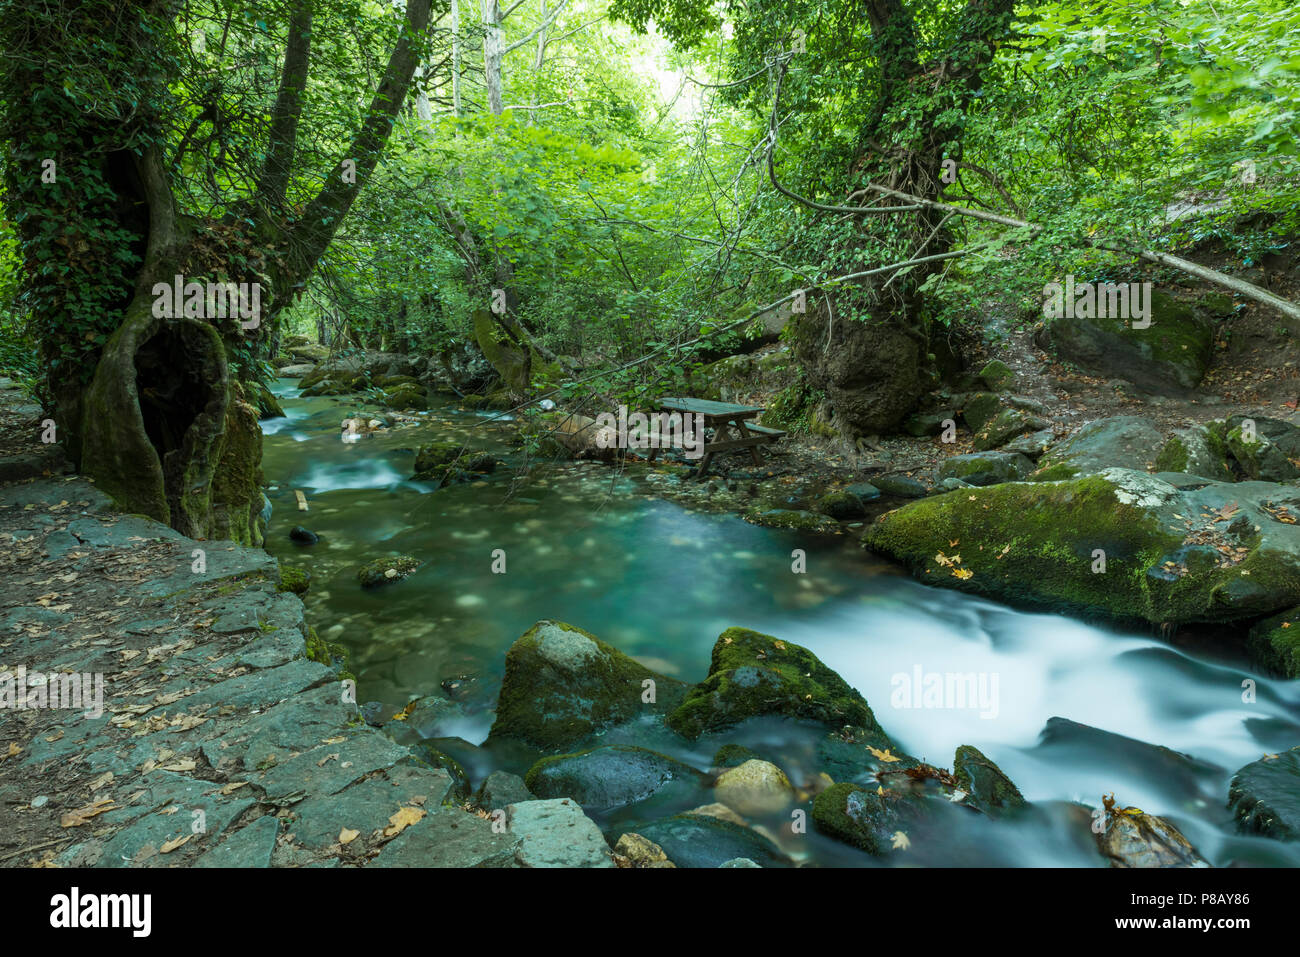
218	718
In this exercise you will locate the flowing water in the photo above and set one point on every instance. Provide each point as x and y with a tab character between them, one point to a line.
593	546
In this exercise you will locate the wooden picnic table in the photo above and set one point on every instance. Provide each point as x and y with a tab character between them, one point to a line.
731	425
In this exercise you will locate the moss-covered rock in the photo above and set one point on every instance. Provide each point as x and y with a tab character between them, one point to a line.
1274	643
790	518
441	461
1120	544
987	788
1170	355
387	570
1263	449
841	505
1197	450
1005	426
865	818
294	579
407	397
753	674
268	406
325	653
979	409
428	753
732	756
986	468
396	381
331	382
562	685
997	375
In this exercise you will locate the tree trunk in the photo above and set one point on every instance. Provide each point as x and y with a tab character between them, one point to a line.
873	369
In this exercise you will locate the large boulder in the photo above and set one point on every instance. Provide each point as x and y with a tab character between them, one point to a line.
1121	543
871	372
1169	356
1125	441
753	674
562	685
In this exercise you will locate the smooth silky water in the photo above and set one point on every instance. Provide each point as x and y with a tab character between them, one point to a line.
592	546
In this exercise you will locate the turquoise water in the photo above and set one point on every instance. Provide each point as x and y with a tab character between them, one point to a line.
592	545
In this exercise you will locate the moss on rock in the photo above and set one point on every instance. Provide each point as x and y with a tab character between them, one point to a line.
294	579
383	571
562	685
790	518
753	674
1275	643
864	818
988	788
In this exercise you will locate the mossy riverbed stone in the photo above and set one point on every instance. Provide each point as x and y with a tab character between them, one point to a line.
753	674
562	685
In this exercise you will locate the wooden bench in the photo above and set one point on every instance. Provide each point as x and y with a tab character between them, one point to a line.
731	424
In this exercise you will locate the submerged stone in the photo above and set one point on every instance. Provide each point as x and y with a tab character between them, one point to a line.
754	788
385	571
698	840
1265	796
614	776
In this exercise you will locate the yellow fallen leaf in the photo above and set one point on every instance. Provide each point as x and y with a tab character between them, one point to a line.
347	836
402	819
233	786
82	815
963	573
169	846
884	755
901	843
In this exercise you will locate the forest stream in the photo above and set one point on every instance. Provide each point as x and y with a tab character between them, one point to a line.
597	547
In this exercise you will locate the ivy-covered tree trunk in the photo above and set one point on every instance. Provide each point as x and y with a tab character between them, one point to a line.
866	348
153	407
